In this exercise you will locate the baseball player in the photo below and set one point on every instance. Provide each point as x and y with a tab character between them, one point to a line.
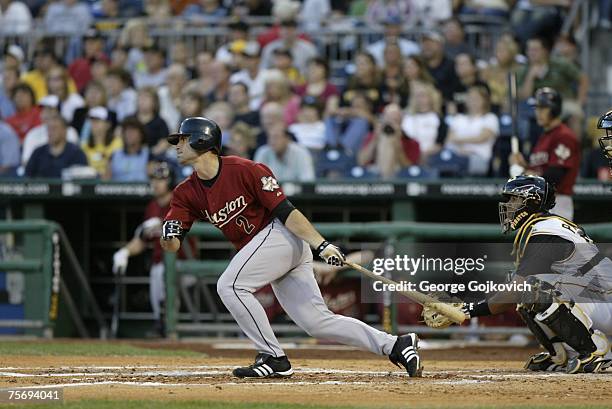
274	239
556	155
569	307
605	122
162	183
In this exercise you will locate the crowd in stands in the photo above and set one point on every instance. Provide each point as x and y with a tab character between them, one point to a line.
421	107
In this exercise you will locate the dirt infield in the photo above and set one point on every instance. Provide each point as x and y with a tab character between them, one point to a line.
459	378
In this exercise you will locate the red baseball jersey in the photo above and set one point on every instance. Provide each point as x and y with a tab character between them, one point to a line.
239	203
558	147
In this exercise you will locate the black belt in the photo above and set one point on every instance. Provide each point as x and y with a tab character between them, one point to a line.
590	264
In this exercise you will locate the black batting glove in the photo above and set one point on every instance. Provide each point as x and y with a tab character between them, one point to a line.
330	253
171	228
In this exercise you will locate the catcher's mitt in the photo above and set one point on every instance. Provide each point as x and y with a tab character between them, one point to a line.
433	318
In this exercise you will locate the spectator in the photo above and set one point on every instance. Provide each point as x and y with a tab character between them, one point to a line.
205	10
317	84
135	38
497	8
156	129
301	50
9	150
122	98
191	104
567	48
68	17
99	69
349	126
254	8
272	114
238	98
454	38
100	146
250	73
203	81
119	58
130	163
423	122
314	13
440	67
278	89
430	13
473	134
57	84
531	18
10	79
221	78
223	115
415	71
367	79
389	150
106	10
242	141
309	129
81	68
157	11
28	113
467	73
50	159
393	32
95	96
15	18
283	10
394	88
496	74
12	59
182	55
238	31
170	95
44	60
283	61
379	11
39	135
286	159
154	73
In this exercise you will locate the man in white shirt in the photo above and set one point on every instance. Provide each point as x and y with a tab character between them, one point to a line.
39	136
286	159
15	17
251	74
302	50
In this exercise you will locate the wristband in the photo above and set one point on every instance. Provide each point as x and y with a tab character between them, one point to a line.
321	247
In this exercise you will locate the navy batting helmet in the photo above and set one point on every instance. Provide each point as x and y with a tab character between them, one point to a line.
204	134
549	97
605	122
533	195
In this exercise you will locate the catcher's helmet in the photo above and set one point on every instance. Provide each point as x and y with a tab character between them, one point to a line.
523	196
605	122
549	97
204	134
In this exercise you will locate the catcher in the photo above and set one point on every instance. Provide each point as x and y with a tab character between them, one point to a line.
569	307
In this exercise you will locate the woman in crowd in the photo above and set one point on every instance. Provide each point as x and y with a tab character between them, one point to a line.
28	113
102	143
57	84
130	163
277	89
367	79
317	84
242	141
473	134
156	129
415	70
496	74
394	88
423	121
95	96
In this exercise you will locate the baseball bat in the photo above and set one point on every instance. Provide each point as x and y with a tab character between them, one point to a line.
454	314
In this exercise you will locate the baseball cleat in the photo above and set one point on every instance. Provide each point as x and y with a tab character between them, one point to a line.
599	364
582	363
266	366
543	362
405	353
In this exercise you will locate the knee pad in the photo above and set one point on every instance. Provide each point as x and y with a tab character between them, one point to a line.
547	339
571	325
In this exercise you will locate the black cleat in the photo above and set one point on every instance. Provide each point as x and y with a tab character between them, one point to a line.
587	363
266	366
405	353
543	362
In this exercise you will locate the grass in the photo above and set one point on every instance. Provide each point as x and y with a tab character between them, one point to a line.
47	348
140	404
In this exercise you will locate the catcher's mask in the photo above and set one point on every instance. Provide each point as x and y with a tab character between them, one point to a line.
605	122
523	196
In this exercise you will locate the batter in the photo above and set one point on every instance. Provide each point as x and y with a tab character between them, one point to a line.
274	239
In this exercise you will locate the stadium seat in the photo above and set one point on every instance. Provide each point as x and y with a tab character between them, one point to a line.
449	164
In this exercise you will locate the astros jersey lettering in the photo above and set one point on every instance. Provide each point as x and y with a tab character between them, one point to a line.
558	147
239	202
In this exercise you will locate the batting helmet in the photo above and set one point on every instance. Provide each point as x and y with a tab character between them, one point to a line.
535	194
204	134
549	97
605	122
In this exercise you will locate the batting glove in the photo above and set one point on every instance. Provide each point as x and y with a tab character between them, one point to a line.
331	254
120	261
171	228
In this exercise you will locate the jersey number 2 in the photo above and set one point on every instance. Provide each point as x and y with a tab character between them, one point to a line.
243	222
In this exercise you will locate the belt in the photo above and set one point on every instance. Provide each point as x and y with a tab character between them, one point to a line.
590	264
